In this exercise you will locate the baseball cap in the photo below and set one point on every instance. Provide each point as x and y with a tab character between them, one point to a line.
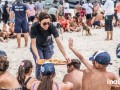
47	69
2	53
101	57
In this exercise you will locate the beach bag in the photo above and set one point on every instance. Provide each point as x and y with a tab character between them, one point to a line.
118	51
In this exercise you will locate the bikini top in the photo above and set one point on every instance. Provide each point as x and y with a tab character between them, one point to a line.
37	81
25	88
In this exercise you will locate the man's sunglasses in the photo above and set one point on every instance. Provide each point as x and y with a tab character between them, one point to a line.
46	23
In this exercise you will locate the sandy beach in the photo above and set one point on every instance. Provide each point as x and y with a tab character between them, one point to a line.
87	45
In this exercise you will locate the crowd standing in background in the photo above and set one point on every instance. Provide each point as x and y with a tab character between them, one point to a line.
43	24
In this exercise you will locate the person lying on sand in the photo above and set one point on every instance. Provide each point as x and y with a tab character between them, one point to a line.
96	76
74	73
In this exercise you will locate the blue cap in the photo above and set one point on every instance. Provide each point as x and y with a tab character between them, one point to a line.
47	69
101	57
2	53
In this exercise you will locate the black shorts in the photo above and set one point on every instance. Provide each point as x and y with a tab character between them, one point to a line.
5	18
89	16
31	18
21	26
96	23
108	23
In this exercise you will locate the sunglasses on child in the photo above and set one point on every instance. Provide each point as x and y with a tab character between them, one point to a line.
46	23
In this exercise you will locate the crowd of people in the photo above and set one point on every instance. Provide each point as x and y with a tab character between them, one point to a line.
41	24
94	15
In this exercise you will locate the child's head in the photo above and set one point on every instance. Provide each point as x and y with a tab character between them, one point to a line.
24	68
4	64
75	19
100	59
75	64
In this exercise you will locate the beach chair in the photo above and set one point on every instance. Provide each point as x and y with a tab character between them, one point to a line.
118	51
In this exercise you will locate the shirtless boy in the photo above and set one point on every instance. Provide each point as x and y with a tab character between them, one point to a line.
95	77
7	80
74	73
96	21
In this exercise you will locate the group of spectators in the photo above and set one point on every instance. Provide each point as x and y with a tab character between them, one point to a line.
76	79
94	15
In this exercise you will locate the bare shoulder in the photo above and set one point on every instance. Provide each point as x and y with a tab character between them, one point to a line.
66	77
35	85
66	86
112	75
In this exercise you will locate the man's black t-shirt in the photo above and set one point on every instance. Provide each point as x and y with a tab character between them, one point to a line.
43	37
5	10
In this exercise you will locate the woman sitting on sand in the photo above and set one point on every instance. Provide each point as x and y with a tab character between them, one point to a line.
47	80
24	72
7	80
74	26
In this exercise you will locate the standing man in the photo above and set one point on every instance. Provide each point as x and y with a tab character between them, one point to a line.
109	12
21	25
5	15
0	10
39	6
89	11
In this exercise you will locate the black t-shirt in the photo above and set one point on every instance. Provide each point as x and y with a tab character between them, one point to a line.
43	37
5	10
20	11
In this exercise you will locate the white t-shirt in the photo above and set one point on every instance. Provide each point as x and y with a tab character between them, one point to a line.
109	7
88	7
66	7
52	11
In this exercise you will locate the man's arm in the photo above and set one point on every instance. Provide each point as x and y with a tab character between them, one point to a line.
61	48
11	15
79	55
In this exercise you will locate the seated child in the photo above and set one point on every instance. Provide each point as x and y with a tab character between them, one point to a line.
64	23
74	24
24	72
11	30
96	21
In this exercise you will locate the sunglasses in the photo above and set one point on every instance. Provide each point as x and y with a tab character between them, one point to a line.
46	23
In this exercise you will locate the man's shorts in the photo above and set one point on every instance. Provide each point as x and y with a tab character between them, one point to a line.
21	26
108	23
96	23
89	16
5	18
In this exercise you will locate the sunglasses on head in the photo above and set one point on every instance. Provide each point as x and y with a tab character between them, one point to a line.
46	23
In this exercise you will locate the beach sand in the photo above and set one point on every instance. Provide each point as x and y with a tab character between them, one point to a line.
87	45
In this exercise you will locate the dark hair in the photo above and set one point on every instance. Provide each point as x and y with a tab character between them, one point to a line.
75	18
23	69
75	63
46	83
6	2
43	15
4	64
53	18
